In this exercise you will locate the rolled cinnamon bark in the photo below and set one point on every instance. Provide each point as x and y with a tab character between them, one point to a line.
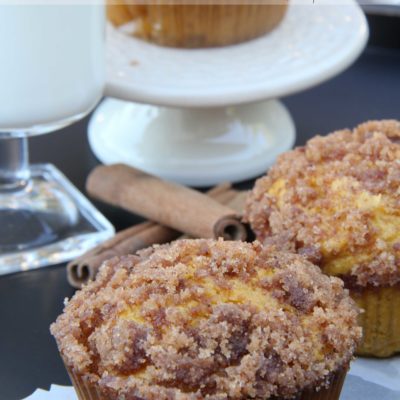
238	200
167	203
128	241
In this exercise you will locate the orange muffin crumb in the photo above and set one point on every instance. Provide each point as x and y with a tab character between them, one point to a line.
208	319
337	201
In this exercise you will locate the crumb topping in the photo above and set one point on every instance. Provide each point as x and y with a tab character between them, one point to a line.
337	201
204	319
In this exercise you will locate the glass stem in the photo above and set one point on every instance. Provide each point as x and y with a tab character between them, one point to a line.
14	164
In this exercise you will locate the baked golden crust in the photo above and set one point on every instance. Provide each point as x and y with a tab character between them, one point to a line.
197	23
337	200
208	319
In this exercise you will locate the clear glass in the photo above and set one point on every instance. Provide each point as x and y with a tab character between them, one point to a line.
51	74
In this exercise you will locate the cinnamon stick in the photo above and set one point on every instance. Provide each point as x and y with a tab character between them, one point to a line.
238	200
167	203
130	240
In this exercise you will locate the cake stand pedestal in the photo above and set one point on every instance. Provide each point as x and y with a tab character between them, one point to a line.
203	116
198	147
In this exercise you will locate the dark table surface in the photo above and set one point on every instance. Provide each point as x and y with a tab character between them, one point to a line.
30	301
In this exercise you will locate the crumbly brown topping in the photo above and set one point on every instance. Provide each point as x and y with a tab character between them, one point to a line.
337	201
204	319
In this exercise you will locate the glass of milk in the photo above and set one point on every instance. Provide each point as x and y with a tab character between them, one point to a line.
51	74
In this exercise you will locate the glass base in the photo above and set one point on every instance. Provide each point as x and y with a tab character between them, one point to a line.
48	222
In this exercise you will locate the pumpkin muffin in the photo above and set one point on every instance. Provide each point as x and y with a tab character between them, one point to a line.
337	201
197	23
205	319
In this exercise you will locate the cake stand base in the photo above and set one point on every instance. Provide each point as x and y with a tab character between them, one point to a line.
196	147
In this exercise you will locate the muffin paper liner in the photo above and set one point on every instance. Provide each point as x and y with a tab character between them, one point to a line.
367	379
203	25
380	320
332	392
88	391
84	390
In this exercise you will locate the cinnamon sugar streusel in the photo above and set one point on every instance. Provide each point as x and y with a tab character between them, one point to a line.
337	201
204	319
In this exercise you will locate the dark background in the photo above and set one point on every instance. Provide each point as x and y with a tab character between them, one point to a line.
30	301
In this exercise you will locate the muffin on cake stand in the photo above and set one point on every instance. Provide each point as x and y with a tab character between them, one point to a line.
202	116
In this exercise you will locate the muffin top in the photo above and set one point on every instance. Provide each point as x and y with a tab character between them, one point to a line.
204	319
337	201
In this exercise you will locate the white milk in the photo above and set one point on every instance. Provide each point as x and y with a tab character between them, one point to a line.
51	62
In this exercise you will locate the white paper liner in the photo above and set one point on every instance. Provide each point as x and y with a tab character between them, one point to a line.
368	379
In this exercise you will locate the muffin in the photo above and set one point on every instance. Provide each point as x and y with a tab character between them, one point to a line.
337	202
205	319
198	23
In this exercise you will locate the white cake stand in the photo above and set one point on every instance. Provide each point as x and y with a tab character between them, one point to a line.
213	120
